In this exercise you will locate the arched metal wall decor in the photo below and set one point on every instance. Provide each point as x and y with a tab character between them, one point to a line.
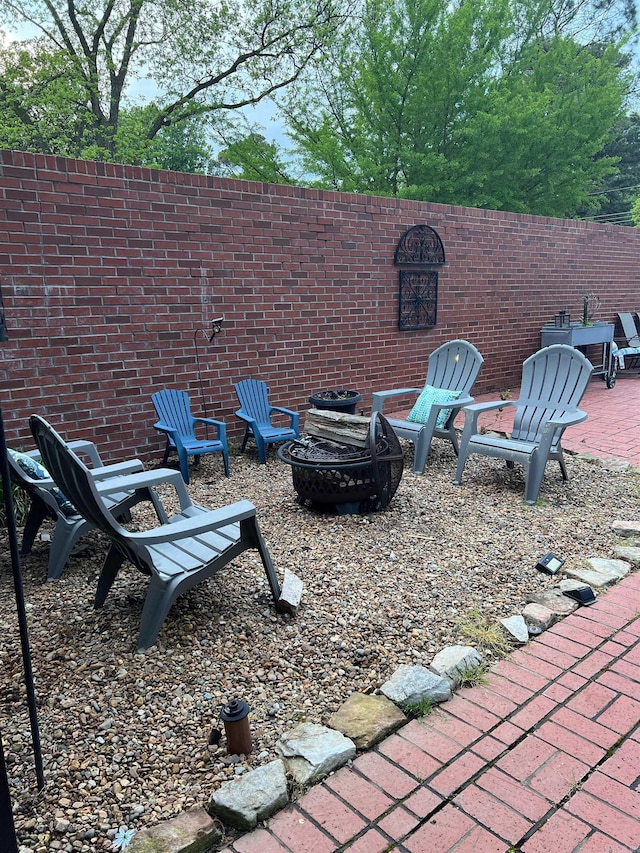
419	246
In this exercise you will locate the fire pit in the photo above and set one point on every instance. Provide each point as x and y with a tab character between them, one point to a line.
352	479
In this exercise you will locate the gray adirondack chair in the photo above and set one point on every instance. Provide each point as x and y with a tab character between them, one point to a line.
454	366
194	544
626	351
554	380
69	524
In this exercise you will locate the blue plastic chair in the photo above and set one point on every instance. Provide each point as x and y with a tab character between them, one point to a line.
178	424
256	413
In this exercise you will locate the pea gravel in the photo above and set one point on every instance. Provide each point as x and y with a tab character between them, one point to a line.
125	736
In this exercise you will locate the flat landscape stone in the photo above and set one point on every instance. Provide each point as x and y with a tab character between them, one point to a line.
310	751
553	600
538	616
516	627
366	719
628	553
410	685
626	529
453	661
193	831
602	572
252	797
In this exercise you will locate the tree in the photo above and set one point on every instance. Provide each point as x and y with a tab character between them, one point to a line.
619	190
491	103
253	158
635	213
202	58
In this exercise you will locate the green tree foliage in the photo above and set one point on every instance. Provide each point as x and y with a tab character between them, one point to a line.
201	58
620	190
489	103
635	213
253	158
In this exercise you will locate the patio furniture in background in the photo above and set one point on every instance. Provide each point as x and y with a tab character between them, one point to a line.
178	424
47	501
256	413
194	544
580	336
626	349
453	368
554	380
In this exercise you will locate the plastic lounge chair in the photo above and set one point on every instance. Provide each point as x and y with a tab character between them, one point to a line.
256	413
48	502
454	366
178	424
176	556
554	380
626	352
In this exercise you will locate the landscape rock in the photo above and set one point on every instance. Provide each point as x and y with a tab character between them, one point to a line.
290	593
253	797
193	831
538	616
310	751
626	529
452	661
367	719
517	627
628	553
410	685
602	572
553	600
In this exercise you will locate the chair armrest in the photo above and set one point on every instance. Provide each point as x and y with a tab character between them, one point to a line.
568	419
240	413
379	397
203	523
147	479
283	410
88	448
129	466
210	421
294	416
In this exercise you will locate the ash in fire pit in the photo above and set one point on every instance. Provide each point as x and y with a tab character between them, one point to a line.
351	479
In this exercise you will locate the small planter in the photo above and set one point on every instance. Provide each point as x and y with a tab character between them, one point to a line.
336	401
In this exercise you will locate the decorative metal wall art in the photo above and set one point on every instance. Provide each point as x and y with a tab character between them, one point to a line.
419	246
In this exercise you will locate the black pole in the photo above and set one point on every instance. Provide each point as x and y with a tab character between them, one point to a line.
22	616
8	840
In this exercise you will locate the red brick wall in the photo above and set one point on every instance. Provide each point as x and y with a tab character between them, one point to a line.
108	273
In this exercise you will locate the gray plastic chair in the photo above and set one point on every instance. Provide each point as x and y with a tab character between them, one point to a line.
554	380
455	366
194	544
69	525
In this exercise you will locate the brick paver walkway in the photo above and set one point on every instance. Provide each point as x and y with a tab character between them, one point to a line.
543	758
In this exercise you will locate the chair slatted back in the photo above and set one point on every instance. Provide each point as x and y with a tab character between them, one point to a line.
629	329
173	409
554	380
454	365
253	398
73	477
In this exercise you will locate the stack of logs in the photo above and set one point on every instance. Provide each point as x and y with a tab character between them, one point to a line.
338	427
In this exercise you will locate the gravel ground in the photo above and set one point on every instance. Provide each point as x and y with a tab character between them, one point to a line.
125	736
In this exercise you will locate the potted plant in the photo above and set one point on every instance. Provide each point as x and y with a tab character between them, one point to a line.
336	401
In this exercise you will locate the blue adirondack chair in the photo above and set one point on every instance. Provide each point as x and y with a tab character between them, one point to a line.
178	424
256	413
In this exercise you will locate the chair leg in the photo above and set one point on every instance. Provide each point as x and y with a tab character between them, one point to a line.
225	456
110	569
247	432
184	465
250	534
64	540
262	455
167	451
421	446
37	514
563	467
156	607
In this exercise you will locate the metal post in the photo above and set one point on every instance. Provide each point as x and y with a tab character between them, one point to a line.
8	840
22	616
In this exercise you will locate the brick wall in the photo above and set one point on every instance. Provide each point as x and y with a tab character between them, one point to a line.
110	274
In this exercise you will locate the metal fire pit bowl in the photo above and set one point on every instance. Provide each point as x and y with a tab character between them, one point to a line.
353	479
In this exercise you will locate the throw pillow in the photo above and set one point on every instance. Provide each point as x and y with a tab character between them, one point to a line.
36	471
430	395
